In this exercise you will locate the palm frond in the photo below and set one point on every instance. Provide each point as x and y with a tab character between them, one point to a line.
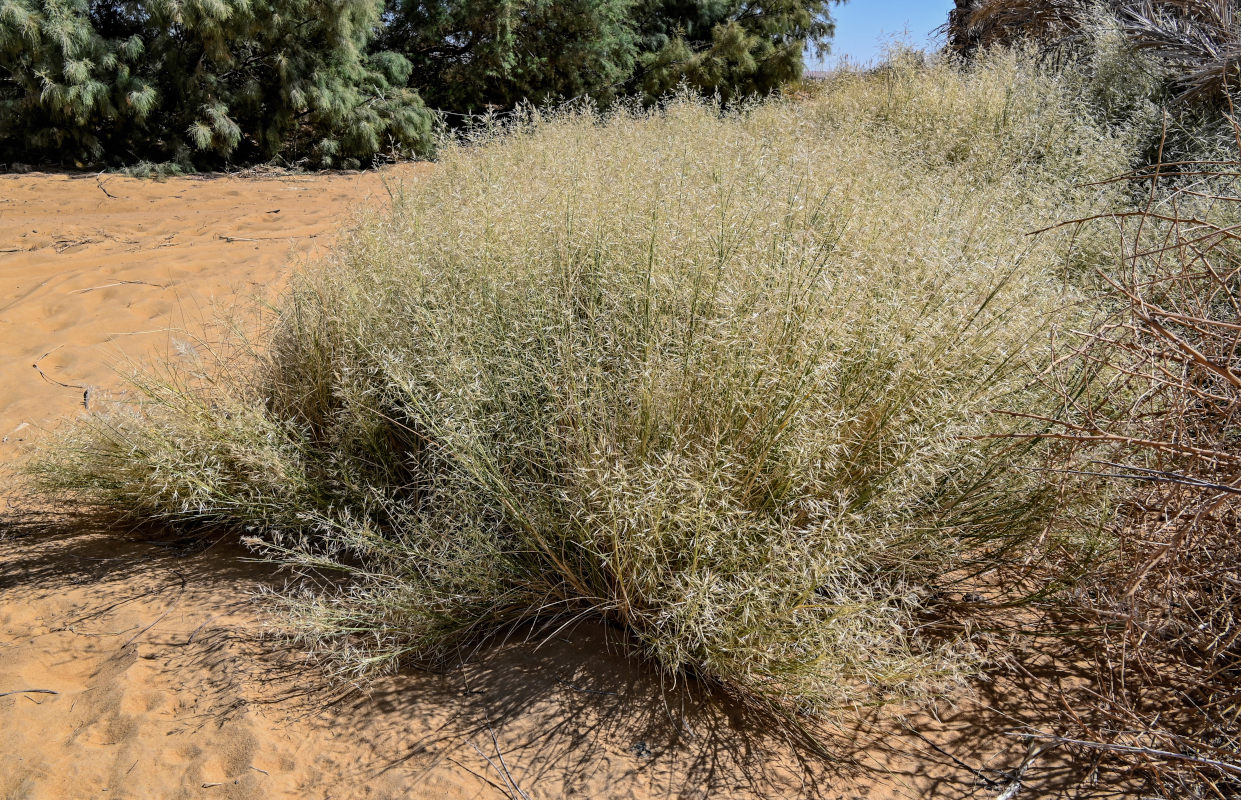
1199	41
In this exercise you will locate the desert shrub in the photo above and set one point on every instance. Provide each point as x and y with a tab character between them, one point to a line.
1152	399
201	84
1125	83
725	377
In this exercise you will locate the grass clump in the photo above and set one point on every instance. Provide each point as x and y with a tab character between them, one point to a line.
724	377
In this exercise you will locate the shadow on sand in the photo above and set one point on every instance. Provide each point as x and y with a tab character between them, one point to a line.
550	712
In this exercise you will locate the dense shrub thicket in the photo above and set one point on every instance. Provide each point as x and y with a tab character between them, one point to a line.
730	380
1153	401
337	82
468	54
1150	389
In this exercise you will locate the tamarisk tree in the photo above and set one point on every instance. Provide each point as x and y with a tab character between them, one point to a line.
730	47
207	83
472	54
469	54
202	83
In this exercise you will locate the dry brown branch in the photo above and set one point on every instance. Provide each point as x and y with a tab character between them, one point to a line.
1160	411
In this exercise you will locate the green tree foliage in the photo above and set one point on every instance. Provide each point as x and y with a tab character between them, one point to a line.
205	83
468	54
201	82
733	47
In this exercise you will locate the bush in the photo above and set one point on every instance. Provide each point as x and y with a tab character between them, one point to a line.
471	54
1153	400
202	83
724	377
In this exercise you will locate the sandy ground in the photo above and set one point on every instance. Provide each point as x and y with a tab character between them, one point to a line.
143	669
98	270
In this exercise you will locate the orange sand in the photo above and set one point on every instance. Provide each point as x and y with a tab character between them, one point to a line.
161	680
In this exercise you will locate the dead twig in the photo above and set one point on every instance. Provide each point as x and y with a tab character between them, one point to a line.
1222	766
1158	409
266	238
119	283
99	182
51	380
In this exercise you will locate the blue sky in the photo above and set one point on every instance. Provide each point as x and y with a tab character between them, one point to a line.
864	26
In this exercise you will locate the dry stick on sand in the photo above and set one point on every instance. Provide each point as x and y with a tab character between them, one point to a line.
512	788
99	182
265	238
86	390
1222	766
119	283
28	691
194	633
989	780
481	776
160	618
510	783
62	245
1033	751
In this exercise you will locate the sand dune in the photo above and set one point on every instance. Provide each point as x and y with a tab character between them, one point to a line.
139	669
